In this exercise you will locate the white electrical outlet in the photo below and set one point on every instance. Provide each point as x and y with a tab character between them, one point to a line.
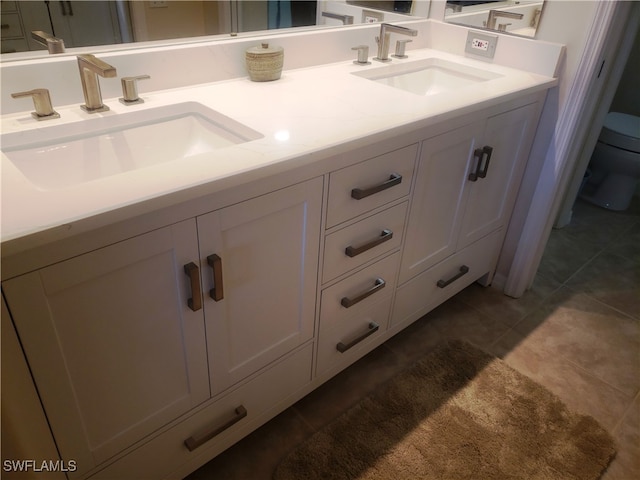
480	43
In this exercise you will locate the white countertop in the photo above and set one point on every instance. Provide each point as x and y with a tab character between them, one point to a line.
302	117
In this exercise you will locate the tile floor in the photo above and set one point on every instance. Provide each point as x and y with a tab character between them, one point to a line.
577	331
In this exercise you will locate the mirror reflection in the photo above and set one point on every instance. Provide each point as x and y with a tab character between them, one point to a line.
519	17
112	22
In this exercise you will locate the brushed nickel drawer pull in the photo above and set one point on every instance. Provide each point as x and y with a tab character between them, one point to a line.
347	302
198	440
193	272
444	283
360	193
217	292
342	347
352	251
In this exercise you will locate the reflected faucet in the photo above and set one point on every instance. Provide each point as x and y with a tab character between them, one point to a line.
90	67
494	14
384	39
53	44
345	19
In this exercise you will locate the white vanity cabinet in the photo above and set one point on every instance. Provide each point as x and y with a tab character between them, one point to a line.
366	215
154	354
496	171
465	189
125	339
261	263
113	346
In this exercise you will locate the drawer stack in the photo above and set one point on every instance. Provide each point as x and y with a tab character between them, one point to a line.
366	219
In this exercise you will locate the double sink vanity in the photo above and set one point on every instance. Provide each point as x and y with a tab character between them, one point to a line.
181	270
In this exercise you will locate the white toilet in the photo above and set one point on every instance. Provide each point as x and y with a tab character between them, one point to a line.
615	163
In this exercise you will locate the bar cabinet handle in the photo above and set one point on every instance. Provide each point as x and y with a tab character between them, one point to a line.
384	236
484	156
193	272
347	302
342	347
444	283
217	292
360	193
198	440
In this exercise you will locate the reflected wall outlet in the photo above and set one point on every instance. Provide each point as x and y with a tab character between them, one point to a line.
482	44
369	16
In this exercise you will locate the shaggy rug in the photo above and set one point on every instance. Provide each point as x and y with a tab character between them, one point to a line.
457	414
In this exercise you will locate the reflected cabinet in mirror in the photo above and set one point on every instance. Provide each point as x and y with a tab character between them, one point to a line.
116	22
519	17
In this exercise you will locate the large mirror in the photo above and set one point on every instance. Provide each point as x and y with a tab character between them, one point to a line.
518	17
119	22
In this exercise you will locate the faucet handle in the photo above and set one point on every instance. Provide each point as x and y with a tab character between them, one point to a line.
400	48
130	89
41	102
363	55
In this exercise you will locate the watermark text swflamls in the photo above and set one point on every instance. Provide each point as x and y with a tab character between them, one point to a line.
30	465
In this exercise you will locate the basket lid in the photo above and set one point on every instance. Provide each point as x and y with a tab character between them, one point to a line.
264	49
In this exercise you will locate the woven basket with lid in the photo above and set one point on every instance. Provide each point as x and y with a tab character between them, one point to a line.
264	63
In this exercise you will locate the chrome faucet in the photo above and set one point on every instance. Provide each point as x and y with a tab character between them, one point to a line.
384	39
53	44
494	14
90	67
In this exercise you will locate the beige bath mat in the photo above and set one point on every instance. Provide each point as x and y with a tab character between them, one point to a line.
457	414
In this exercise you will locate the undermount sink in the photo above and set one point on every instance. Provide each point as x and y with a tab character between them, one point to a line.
60	156
430	76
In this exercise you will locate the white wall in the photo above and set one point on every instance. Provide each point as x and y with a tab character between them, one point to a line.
566	22
591	32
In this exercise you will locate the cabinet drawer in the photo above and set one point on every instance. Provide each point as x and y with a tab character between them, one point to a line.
10	25
8	6
348	340
445	279
340	301
161	456
14	45
356	244
374	182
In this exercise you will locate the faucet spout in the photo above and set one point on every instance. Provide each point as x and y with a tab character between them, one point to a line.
384	39
90	67
53	44
494	14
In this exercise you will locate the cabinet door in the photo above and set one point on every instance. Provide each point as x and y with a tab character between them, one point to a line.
85	23
491	196
438	199
114	349
264	275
